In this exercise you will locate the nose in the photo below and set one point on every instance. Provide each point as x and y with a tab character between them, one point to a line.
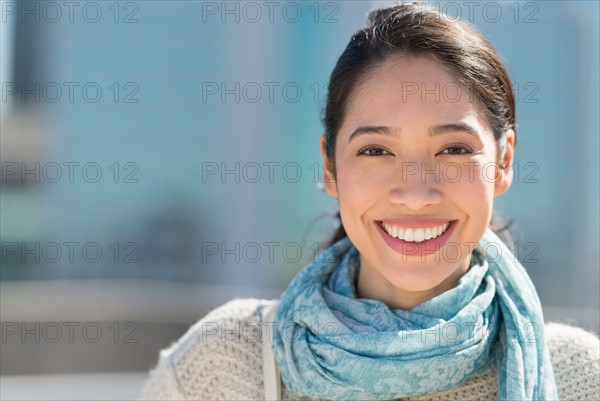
416	186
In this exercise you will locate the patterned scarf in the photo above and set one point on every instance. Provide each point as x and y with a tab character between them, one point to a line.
329	344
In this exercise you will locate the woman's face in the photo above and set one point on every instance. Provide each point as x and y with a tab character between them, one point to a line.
415	159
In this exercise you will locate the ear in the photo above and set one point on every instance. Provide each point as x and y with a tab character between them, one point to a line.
504	172
328	168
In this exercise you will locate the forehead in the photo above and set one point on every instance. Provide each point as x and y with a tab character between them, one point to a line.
407	90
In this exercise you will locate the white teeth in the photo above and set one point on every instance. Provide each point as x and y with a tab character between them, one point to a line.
415	234
419	235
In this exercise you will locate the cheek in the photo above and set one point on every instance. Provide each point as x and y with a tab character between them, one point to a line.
472	184
355	183
357	190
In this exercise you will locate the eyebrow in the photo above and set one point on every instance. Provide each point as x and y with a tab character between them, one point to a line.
433	130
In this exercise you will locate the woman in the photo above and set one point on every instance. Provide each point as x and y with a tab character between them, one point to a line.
416	297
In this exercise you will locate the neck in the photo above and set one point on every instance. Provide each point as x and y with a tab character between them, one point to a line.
373	285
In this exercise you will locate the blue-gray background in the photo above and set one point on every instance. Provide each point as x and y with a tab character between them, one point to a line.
191	90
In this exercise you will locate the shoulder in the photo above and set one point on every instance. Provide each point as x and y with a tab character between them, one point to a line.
563	339
232	323
575	356
219	357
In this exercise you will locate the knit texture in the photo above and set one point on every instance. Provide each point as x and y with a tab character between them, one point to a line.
220	358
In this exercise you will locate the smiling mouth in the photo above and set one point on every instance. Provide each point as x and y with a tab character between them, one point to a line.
415	235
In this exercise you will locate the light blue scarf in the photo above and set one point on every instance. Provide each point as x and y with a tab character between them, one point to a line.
331	345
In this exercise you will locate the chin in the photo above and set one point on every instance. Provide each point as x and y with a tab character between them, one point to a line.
417	280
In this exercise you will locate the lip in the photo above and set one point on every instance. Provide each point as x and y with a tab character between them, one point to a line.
413	248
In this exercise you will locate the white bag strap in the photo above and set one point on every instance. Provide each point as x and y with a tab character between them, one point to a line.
270	370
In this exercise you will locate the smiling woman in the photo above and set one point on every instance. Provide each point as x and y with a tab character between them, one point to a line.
416	296
386	217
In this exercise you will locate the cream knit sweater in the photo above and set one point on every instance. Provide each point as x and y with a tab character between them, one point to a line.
220	358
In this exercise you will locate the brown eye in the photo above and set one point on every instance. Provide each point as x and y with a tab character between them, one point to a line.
372	151
457	150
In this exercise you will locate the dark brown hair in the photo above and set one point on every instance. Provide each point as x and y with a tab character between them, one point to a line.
415	29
